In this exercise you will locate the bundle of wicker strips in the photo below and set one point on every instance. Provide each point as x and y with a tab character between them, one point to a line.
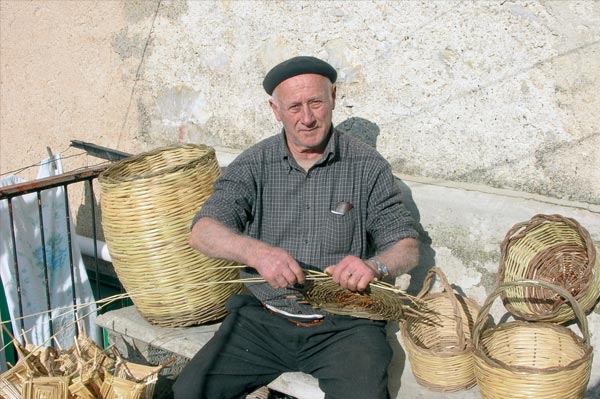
555	249
438	344
533	360
148	202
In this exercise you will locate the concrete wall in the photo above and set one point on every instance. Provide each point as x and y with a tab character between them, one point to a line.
488	109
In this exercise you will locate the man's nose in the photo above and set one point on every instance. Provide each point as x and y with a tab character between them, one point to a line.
308	117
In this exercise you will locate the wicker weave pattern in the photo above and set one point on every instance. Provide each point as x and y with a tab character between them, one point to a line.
532	360
46	388
36	376
555	249
148	202
439	344
375	304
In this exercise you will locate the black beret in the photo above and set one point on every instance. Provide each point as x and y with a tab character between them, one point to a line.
297	66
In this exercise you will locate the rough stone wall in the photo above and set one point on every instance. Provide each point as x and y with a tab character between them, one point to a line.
499	93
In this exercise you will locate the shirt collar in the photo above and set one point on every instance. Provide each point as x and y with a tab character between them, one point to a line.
330	150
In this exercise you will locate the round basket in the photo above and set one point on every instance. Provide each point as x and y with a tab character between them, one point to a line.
438	343
550	248
521	359
148	202
381	301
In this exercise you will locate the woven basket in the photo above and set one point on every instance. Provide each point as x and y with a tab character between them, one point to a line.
521	359
439	344
148	202
555	249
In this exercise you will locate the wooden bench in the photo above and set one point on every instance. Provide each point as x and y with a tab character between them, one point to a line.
138	340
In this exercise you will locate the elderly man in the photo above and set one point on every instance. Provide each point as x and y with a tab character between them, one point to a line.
310	197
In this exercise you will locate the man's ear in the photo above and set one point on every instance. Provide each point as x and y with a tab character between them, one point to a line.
333	95
275	109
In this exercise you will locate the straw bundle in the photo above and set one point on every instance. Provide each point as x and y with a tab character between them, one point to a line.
521	359
99	377
555	249
148	202
439	344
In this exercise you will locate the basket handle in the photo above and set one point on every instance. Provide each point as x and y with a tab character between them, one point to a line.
483	313
450	291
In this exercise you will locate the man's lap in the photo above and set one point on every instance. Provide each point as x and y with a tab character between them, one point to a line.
254	346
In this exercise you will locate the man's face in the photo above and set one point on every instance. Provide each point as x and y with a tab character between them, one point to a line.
304	105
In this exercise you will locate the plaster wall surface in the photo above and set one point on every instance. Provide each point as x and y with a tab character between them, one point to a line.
499	93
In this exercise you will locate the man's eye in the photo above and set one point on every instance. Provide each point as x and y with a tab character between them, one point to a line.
316	104
295	108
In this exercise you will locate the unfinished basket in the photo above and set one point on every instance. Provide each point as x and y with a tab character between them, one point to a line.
148	202
555	249
438	343
382	301
521	359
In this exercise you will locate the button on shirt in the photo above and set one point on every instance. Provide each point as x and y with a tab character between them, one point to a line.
266	195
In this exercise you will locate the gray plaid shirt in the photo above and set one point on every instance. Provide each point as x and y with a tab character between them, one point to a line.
266	195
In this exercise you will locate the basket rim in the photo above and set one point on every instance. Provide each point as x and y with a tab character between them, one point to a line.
580	316
106	175
521	229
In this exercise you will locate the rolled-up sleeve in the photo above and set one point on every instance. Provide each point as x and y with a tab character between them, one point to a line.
388	219
232	199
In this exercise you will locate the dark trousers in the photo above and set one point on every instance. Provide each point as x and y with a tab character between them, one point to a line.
349	356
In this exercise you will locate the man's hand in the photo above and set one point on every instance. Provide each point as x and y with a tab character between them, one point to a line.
275	265
352	273
278	268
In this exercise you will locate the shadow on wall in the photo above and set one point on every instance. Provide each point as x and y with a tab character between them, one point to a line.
367	132
593	392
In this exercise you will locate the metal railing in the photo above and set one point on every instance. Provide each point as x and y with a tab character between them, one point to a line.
86	177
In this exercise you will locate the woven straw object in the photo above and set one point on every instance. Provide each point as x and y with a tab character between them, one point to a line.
148	202
555	249
381	301
533	360
46	387
439	344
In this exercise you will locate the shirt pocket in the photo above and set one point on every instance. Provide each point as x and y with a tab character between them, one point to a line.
339	233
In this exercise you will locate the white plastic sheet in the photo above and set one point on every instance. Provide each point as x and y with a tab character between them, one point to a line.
31	271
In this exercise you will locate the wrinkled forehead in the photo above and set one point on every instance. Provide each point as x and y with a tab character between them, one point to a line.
302	88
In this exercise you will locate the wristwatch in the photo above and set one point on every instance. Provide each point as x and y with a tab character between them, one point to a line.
381	268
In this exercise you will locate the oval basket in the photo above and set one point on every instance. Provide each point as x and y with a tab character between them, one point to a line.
521	359
148	202
555	249
438	343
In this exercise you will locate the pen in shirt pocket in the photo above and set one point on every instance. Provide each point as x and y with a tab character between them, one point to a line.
342	208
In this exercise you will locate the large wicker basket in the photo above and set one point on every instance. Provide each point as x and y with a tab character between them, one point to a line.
555	249
438	343
533	360
148	202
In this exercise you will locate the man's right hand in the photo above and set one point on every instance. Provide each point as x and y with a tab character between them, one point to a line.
275	265
278	267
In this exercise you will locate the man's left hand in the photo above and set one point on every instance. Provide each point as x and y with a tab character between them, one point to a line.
352	273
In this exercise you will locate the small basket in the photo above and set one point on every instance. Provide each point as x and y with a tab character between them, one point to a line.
555	249
439	345
521	359
148	202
